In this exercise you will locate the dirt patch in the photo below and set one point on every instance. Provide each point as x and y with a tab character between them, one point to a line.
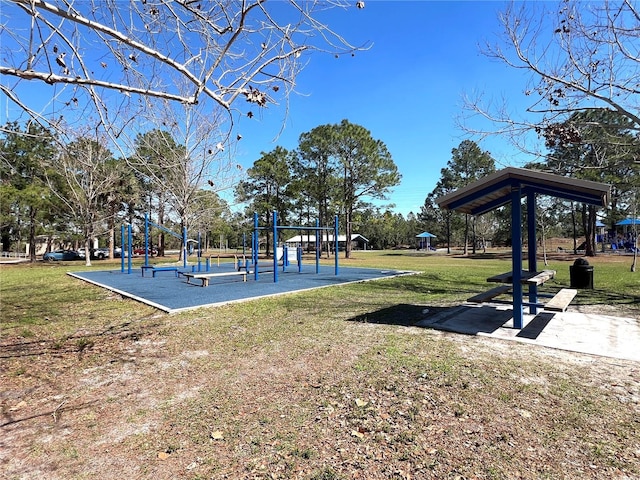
331	399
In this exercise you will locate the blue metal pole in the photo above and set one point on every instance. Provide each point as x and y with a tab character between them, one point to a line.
146	239
531	240
285	257
129	249
122	248
254	248
317	246
184	243
199	251
516	256
275	247
335	237
299	258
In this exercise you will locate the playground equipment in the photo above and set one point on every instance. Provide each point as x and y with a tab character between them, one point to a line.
183	238
285	252
240	262
128	252
128	243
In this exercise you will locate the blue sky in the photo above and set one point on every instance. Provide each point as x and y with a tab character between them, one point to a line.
406	89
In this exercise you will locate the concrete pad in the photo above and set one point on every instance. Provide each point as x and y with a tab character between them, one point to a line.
603	335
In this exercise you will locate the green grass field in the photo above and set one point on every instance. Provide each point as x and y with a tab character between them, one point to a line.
42	295
324	384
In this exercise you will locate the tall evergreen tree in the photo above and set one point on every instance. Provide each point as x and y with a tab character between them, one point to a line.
319	171
467	164
349	159
25	154
597	145
267	187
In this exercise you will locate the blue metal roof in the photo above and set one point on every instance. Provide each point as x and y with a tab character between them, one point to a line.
494	190
425	235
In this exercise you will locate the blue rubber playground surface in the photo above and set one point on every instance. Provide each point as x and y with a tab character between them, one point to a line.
173	294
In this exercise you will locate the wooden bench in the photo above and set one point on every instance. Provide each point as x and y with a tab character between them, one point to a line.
204	277
502	278
527	278
561	300
489	294
540	278
155	268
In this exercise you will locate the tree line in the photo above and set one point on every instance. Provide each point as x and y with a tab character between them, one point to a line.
55	179
596	144
80	190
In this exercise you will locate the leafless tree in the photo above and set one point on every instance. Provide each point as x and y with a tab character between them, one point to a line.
185	151
581	56
107	56
84	178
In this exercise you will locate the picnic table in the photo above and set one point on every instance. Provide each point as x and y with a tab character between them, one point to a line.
558	303
526	277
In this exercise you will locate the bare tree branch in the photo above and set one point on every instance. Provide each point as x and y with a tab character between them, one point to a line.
113	55
581	56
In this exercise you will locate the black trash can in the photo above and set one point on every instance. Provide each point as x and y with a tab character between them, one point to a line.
581	274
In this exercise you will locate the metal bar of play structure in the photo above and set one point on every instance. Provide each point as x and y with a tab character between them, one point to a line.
122	248
146	240
199	251
148	222
275	248
317	246
335	238
129	248
276	228
125	250
255	244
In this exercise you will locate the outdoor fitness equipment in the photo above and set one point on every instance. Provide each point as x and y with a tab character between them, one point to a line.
148	222
255	244
127	241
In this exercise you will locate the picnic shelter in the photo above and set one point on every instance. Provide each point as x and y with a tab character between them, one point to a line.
509	186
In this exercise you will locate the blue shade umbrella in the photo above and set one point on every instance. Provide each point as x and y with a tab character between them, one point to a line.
599	224
629	221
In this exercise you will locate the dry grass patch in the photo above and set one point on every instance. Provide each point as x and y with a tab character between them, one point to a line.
330	384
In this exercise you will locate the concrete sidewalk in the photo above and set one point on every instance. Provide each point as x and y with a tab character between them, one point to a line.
604	335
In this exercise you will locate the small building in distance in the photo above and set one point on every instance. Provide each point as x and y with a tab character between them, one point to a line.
308	242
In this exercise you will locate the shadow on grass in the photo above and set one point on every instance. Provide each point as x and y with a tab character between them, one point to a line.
79	343
604	297
458	319
8	418
404	315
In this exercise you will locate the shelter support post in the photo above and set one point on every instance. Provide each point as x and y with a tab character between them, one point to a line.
531	251
516	256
